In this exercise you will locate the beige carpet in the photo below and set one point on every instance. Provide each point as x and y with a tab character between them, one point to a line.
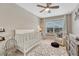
16	53
45	49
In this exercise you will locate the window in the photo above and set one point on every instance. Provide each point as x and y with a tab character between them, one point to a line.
54	25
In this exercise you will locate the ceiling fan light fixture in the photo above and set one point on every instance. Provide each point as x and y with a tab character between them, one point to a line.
47	9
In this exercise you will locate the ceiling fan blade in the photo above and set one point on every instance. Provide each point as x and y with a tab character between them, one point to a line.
54	7
42	10
48	4
41	6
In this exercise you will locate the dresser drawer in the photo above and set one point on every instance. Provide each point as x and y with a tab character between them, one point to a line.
73	45
73	52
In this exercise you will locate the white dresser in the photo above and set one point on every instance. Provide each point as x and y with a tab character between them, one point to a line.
72	45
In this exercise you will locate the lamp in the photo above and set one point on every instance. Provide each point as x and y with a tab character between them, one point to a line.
40	29
47	9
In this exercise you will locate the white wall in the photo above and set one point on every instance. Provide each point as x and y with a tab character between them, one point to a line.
14	17
75	23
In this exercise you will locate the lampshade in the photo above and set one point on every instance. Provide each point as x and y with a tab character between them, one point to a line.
40	29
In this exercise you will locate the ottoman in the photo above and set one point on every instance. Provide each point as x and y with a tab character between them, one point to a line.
55	44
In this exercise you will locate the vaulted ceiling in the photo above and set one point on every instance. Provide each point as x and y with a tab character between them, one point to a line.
64	8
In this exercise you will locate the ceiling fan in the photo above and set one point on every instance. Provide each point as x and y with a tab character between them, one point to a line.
48	7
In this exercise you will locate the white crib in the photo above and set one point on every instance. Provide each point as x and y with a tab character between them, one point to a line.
26	39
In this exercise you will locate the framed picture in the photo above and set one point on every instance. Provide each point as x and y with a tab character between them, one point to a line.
77	14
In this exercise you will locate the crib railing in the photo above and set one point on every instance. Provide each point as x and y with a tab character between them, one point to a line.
27	40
